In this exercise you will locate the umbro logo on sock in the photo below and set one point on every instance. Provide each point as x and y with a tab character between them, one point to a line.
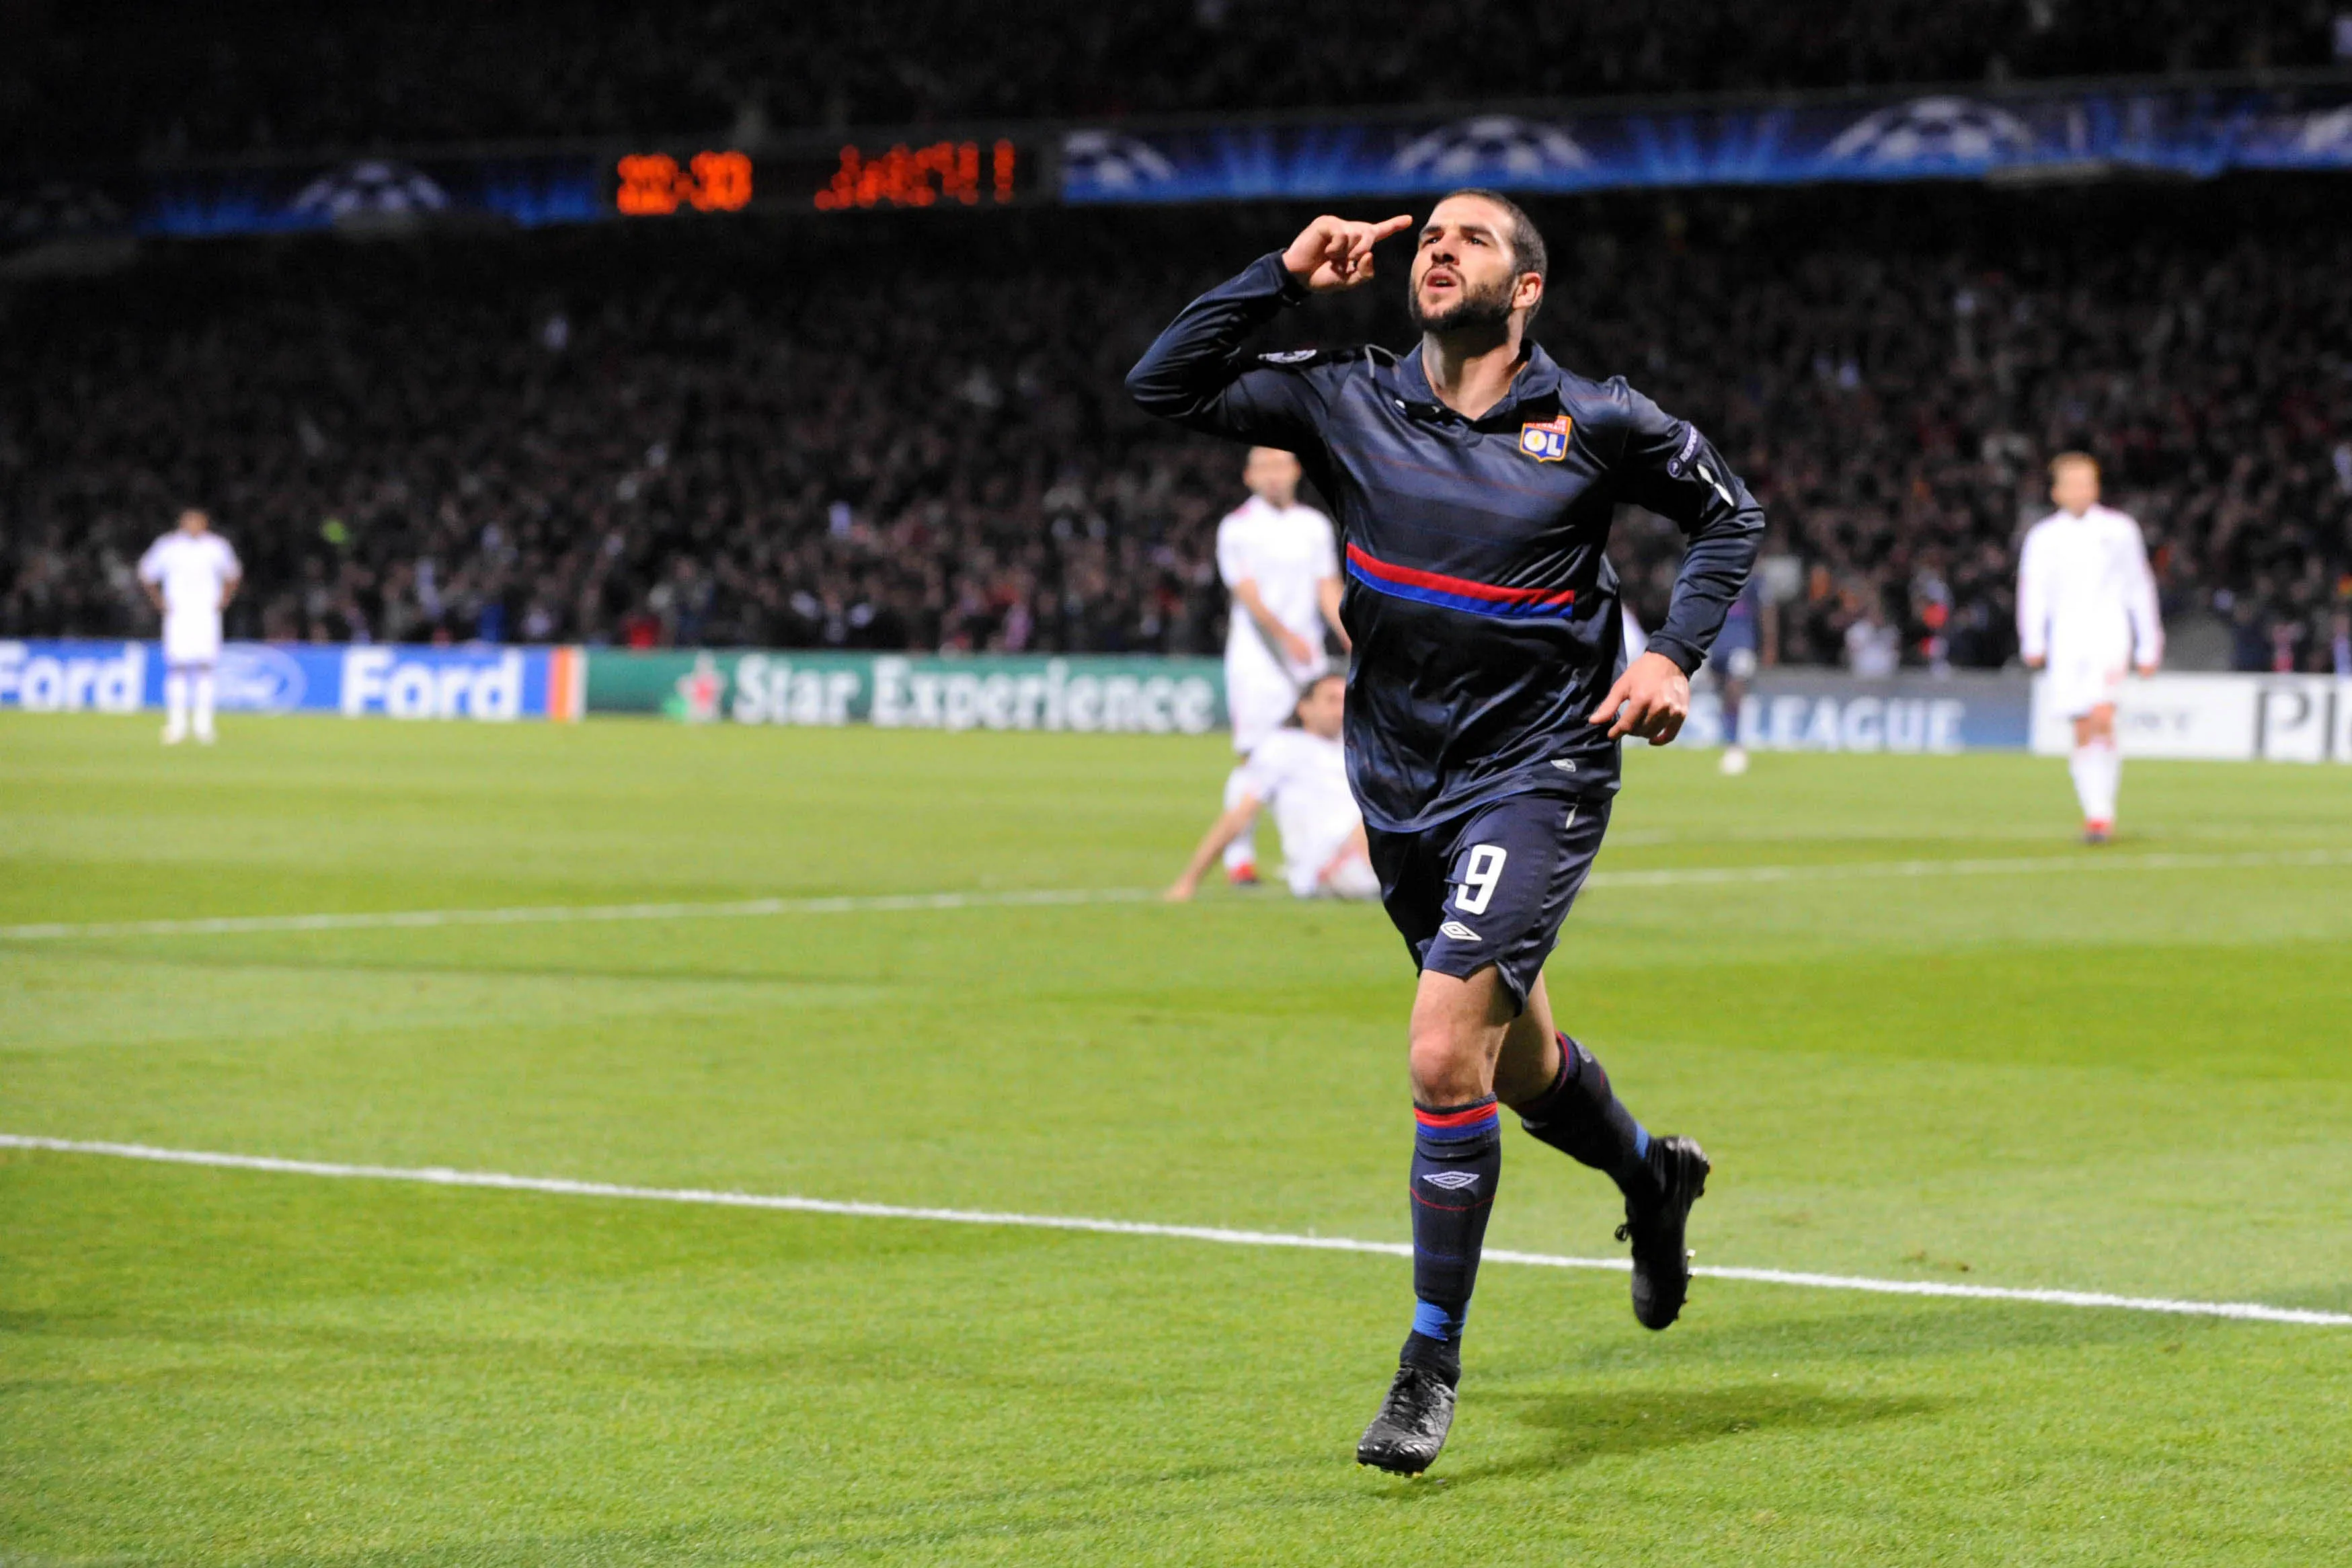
1459	931
1453	1180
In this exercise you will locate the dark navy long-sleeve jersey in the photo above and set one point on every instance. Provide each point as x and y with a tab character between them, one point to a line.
1482	609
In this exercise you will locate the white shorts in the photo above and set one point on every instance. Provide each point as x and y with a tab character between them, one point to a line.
192	638
2079	683
1740	664
1259	704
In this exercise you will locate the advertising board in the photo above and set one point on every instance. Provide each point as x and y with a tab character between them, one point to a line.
1823	711
2222	717
1096	694
2232	718
477	681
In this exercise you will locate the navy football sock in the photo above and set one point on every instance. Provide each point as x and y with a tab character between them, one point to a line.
1583	1118
1457	1158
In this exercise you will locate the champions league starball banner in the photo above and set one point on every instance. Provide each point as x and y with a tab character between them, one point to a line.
297	196
2153	128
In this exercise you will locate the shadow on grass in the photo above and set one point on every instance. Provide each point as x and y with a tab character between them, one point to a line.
1578	1428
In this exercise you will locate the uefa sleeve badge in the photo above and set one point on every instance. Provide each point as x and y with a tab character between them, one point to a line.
1545	442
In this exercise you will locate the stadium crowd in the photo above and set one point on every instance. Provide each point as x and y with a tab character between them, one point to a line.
137	78
910	431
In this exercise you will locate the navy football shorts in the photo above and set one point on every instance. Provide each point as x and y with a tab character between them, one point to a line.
1491	886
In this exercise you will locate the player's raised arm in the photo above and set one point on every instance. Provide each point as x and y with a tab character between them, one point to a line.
1194	373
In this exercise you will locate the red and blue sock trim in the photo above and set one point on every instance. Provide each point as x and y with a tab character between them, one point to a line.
1457	592
1458	1124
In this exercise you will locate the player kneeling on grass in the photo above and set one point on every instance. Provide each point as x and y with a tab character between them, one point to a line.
1301	770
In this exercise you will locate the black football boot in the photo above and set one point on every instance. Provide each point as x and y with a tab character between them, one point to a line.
1404	1438
1661	1261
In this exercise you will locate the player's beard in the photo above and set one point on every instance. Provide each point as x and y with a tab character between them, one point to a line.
1483	312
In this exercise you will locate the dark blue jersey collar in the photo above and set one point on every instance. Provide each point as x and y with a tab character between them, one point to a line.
1538	381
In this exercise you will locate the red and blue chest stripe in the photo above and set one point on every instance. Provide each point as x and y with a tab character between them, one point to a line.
1457	592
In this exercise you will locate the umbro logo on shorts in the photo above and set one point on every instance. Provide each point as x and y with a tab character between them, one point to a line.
1453	1180
1459	931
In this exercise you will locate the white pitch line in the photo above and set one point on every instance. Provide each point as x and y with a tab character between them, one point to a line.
571	914
1670	877
441	1176
1872	870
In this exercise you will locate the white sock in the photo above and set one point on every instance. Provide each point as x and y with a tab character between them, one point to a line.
1243	850
2098	770
175	702
2107	779
203	684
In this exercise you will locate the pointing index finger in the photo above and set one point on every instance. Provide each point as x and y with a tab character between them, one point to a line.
1388	226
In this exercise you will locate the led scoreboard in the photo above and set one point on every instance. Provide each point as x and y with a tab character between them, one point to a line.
922	176
950	175
655	183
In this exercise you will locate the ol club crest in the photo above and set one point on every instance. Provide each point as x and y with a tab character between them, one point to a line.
1545	442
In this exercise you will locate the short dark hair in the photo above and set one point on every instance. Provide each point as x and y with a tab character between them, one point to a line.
1307	689
1527	252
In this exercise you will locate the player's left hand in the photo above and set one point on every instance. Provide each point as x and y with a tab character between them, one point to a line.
2146	671
1651	699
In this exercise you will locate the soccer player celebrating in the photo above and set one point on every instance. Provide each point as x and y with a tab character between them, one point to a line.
1302	770
190	575
1279	561
2085	608
1475	481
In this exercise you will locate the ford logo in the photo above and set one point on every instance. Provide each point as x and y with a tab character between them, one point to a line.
254	678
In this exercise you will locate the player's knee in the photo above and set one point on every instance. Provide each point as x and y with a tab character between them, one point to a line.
1448	1063
1443	1075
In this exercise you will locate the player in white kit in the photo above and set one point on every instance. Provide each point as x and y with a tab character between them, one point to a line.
1301	770
2086	611
190	575
1281	563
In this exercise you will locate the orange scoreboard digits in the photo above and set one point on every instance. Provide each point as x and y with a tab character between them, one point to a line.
654	184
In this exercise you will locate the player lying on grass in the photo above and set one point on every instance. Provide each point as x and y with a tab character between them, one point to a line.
2085	609
1474	481
1300	769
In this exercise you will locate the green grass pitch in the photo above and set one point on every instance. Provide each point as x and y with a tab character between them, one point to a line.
2131	1074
